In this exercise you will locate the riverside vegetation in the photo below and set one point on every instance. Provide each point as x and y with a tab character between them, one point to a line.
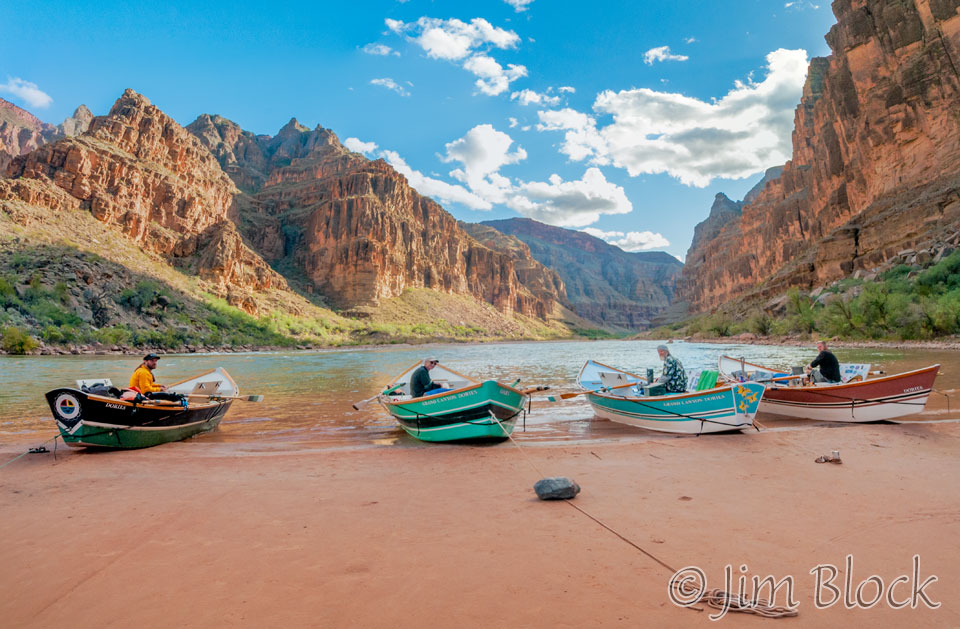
56	298
902	303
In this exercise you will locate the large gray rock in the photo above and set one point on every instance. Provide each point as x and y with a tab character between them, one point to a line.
556	488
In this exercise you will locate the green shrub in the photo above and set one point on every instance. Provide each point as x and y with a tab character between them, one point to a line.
17	341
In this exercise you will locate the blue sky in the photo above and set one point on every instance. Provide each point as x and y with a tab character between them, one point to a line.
622	118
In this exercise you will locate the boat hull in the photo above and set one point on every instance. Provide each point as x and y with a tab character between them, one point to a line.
723	409
462	414
872	400
98	421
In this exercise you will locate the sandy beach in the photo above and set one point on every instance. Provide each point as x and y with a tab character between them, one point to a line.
201	533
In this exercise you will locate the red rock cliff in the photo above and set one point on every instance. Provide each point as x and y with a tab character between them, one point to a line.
138	169
354	229
876	159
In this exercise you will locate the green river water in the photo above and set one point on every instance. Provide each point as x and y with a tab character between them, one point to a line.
308	394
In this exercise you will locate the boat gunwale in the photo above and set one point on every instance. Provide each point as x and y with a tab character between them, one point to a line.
832	386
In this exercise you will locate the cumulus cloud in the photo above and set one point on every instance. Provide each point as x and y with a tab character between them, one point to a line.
530	97
519	5
466	43
801	4
630	241
493	78
358	146
661	53
481	153
390	84
570	203
379	49
695	141
454	39
439	190
581	140
26	91
513	122
690	40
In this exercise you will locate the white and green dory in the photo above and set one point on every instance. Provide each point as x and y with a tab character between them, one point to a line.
470	410
718	409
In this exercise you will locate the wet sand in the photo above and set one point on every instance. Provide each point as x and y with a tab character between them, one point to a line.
204	533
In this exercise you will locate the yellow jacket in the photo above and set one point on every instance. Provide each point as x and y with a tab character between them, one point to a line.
142	380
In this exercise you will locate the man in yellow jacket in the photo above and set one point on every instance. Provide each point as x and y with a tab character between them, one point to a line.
142	381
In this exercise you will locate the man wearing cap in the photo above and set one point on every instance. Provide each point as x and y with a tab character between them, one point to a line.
142	381
674	377
420	382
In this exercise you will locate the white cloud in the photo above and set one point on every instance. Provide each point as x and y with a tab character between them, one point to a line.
581	140
690	40
566	89
570	203
519	5
379	49
390	84
32	95
529	97
493	78
513	122
661	53
358	146
743	133
454	39
630	241
439	190
800	5
482	152
466	43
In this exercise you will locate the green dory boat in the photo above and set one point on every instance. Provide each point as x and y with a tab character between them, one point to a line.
470	410
91	416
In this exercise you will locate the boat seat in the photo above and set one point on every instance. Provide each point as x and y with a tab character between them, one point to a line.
708	379
94	382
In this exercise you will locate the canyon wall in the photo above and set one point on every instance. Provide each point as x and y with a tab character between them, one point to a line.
137	169
352	229
874	171
615	288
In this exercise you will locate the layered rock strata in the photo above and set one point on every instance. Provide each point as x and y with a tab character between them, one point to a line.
615	288
22	132
353	229
136	168
874	171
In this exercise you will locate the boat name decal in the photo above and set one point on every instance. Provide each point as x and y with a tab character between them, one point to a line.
117	406
696	400
913	389
449	397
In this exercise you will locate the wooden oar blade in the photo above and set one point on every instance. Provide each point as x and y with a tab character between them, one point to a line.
253	398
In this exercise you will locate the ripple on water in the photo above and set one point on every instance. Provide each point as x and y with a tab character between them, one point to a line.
309	395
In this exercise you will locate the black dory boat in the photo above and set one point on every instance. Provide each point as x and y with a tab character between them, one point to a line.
100	419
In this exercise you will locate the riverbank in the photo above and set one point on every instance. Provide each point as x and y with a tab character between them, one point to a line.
103	350
792	341
201	533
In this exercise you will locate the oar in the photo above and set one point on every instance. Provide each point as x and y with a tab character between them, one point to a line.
357	405
242	398
567	396
541	387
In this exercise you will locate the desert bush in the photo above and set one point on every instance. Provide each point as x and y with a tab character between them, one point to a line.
17	341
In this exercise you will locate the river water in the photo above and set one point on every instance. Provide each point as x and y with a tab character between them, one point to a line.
309	394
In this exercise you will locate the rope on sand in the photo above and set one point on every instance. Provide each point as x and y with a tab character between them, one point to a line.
716	598
38	450
719	599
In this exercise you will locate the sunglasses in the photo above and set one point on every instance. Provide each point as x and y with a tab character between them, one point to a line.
433	362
